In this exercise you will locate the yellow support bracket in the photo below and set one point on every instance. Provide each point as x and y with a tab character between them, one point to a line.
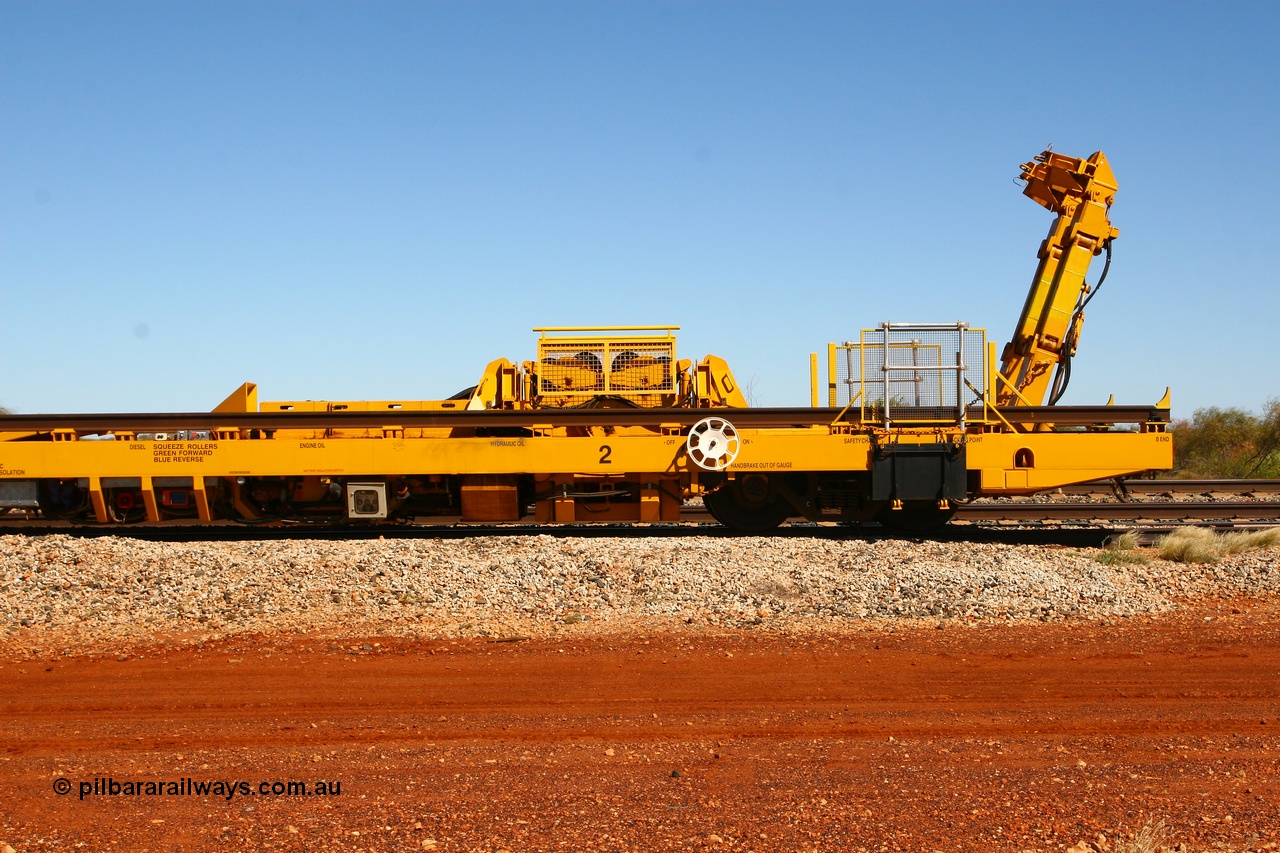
846	408
1000	376
98	500
990	407
149	500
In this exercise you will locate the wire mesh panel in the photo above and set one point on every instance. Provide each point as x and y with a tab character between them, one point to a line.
912	372
617	364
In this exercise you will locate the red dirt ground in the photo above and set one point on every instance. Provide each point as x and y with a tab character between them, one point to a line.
1011	737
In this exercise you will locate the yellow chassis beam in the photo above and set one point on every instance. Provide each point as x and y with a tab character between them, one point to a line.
1008	463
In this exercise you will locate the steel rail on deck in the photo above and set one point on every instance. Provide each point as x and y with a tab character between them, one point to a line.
761	418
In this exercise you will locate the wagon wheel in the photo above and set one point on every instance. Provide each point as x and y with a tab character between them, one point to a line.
745	509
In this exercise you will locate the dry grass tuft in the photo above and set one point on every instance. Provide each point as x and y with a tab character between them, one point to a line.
1127	541
1201	545
1122	550
1239	543
1190	545
1149	839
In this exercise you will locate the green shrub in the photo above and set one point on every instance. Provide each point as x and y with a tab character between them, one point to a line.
1112	557
1228	443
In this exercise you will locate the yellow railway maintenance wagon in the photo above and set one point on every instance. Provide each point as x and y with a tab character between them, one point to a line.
911	432
609	424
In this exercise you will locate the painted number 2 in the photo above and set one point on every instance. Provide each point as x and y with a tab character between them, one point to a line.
605	450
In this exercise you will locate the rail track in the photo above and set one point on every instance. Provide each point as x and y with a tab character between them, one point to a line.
1145	505
1219	503
1173	488
1246	513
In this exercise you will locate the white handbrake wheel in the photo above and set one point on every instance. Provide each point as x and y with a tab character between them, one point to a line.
713	444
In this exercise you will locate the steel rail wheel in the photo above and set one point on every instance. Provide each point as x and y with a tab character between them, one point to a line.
730	506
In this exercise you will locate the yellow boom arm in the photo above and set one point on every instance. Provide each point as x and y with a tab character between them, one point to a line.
1080	193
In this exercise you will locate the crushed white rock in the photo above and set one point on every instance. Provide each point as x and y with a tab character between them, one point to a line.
110	592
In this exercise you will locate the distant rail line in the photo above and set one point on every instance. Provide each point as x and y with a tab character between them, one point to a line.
1176	487
1218	503
1250	513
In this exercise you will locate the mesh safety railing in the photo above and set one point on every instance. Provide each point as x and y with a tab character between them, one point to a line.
910	372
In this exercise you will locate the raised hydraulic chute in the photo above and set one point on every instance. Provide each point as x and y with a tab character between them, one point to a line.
1080	192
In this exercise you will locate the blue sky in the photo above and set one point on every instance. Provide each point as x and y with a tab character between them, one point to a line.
372	200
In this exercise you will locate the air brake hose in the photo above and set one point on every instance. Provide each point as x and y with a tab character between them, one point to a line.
1101	278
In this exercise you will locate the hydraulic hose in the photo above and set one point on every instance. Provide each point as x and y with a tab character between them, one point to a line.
1062	377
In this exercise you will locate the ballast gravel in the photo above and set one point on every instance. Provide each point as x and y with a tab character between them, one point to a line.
109	594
